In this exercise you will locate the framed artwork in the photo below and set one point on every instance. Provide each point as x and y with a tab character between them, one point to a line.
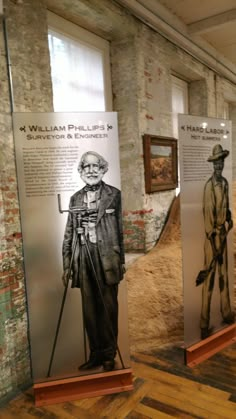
160	163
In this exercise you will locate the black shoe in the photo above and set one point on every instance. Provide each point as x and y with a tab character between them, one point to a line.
108	365
205	332
229	319
93	361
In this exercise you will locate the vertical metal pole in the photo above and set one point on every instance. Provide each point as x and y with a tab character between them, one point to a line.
8	60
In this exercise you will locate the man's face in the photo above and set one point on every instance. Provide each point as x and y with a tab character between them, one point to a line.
91	173
218	168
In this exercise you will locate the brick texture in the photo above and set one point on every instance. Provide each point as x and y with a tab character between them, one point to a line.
32	92
141	66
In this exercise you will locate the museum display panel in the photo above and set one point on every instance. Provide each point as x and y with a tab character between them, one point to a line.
49	148
207	237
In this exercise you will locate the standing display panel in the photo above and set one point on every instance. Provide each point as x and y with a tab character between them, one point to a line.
70	202
206	222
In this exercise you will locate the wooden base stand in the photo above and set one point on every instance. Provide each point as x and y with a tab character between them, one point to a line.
210	346
76	388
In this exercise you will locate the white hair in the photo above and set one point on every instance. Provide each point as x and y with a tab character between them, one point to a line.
103	164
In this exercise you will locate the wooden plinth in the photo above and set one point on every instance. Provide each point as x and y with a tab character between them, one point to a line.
76	388
197	353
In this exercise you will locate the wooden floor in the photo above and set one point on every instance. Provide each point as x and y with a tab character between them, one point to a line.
163	388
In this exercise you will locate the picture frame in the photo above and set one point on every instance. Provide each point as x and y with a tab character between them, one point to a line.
160	163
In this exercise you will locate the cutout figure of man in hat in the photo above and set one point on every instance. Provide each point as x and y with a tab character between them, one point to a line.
218	222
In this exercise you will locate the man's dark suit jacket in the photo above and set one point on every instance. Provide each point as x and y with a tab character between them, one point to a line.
109	235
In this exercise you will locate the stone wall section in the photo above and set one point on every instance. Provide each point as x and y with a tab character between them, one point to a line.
142	62
27	42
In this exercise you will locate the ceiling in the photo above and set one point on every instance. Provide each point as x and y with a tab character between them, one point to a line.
213	20
204	28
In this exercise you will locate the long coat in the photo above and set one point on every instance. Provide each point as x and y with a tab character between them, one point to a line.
109	235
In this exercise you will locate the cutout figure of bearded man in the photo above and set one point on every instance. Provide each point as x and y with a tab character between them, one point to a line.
102	226
218	222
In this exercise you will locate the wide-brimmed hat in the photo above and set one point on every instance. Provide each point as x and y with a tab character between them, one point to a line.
218	153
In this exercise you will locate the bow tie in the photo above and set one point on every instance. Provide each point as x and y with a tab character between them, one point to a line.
92	187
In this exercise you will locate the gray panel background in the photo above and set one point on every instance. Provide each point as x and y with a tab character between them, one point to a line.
43	230
192	225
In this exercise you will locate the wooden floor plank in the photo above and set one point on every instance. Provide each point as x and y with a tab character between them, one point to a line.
151	413
202	396
6	414
136	415
163	388
86	404
24	405
168	409
68	411
190	388
182	408
133	400
152	374
194	375
174	356
114	402
208	403
17	413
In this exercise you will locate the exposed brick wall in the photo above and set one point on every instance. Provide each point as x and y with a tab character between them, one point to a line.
32	92
15	367
134	230
142	63
140	227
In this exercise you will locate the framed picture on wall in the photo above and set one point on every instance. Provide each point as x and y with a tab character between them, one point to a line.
160	163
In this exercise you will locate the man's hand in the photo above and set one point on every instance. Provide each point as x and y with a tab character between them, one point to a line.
65	276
